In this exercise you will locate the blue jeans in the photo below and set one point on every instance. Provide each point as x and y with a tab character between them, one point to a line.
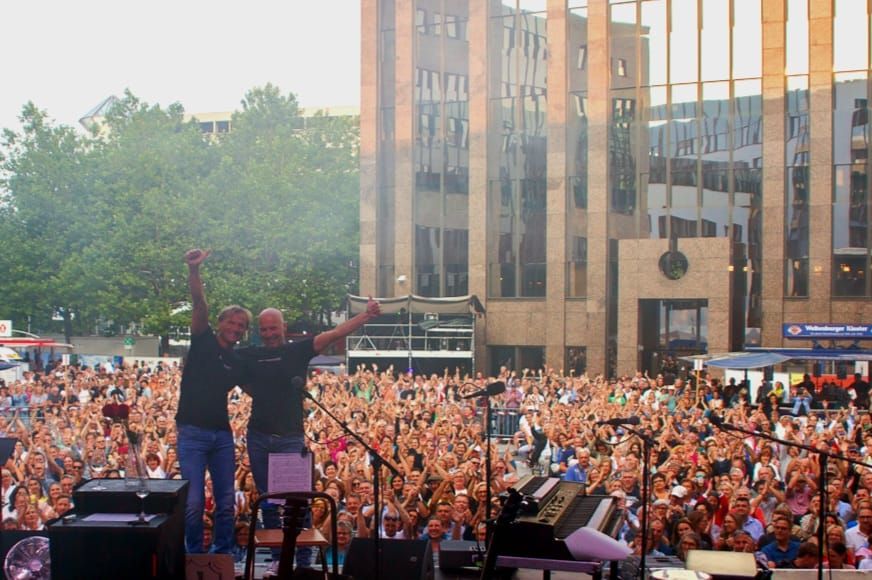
198	449
260	445
800	402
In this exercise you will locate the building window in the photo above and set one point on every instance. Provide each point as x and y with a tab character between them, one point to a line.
517	358
421	20
581	60
576	360
622	67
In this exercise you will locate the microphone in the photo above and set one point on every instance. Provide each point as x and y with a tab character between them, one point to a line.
634	420
491	390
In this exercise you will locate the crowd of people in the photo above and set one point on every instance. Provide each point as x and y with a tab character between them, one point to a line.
709	488
215	421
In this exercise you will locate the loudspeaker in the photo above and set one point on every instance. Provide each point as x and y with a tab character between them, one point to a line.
768	373
166	496
407	559
89	548
156	550
841	372
817	370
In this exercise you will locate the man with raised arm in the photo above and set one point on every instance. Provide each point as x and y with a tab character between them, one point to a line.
276	423
205	440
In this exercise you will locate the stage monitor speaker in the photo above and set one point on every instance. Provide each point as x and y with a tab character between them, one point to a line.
723	565
85	548
166	496
153	551
407	559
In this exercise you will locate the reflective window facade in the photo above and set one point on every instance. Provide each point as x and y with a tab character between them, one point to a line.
633	129
797	159
386	188
797	187
851	199
517	138
577	154
686	133
441	204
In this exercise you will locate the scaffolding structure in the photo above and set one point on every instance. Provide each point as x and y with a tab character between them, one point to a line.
414	333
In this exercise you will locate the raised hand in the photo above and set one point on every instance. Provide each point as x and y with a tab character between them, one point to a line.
196	256
373	308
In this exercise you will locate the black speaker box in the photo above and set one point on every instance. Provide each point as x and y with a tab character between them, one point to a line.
112	550
166	496
407	559
100	549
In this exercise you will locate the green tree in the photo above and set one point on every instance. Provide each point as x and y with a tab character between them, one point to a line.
45	228
289	187
98	223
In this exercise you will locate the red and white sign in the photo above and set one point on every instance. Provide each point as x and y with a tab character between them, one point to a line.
5	328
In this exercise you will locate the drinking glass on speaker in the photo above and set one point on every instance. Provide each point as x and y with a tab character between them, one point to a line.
142	492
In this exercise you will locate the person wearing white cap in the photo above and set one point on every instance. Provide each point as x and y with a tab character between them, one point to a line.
678	500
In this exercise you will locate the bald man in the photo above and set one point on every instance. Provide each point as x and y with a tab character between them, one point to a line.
276	422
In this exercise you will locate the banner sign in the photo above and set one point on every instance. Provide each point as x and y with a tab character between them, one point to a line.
831	331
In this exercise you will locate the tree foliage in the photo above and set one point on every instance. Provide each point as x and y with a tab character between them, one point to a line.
95	226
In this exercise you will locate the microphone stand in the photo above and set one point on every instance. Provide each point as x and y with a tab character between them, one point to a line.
647	446
483	393
378	461
822	478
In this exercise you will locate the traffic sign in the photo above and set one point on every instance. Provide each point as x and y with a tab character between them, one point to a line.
5	328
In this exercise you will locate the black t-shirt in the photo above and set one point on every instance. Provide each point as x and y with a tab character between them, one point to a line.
277	407
210	371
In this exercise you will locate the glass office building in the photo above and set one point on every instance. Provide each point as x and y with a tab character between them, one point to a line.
618	181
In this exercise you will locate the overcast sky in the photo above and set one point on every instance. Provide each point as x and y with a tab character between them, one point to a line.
67	56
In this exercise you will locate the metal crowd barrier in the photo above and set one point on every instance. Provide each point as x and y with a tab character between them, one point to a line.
504	421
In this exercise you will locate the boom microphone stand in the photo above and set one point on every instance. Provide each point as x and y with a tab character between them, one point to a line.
378	461
486	393
717	421
647	446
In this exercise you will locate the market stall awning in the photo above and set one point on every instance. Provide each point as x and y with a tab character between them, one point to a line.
747	360
831	354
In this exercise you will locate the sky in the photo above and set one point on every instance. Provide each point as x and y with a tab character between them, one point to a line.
206	55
